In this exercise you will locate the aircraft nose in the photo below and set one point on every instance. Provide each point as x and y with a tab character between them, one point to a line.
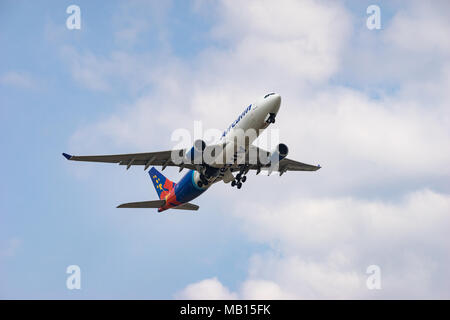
274	102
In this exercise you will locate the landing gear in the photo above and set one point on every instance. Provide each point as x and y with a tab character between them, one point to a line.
271	118
203	180
240	178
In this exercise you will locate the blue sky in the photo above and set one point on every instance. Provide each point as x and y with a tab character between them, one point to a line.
370	106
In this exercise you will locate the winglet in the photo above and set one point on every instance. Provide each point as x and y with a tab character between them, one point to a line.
67	156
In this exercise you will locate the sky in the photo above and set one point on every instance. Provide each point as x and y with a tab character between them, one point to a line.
371	106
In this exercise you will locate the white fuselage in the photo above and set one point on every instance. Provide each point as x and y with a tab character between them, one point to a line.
240	135
247	127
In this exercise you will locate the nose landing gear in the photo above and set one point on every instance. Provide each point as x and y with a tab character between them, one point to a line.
271	118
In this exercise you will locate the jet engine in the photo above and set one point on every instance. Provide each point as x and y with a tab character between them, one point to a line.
195	154
279	153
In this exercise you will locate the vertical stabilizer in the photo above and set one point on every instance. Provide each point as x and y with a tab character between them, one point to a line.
161	183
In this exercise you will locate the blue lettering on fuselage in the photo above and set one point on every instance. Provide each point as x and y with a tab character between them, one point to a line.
235	122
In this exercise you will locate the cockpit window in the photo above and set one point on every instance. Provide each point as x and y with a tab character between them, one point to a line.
269	94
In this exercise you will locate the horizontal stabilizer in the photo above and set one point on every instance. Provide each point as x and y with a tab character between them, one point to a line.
143	204
187	206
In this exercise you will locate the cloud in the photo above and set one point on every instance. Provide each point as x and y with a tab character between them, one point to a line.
130	34
264	290
295	38
225	79
320	223
421	28
322	247
140	21
408	58
210	289
370	138
104	74
18	79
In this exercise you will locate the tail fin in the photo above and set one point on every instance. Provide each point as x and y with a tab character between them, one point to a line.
161	183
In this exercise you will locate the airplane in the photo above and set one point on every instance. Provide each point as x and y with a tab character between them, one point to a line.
209	164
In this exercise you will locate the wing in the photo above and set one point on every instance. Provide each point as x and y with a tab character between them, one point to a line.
186	206
292	165
162	158
284	165
143	204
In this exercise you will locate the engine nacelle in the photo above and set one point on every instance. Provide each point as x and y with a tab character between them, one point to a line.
195	154
279	153
211	172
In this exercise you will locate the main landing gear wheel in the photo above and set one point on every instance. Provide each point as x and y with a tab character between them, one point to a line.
240	177
238	183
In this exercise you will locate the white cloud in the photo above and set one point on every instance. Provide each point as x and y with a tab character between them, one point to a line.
18	79
408	58
353	133
321	248
422	28
130	34
263	290
139	20
320	223
106	73
211	289
290	38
